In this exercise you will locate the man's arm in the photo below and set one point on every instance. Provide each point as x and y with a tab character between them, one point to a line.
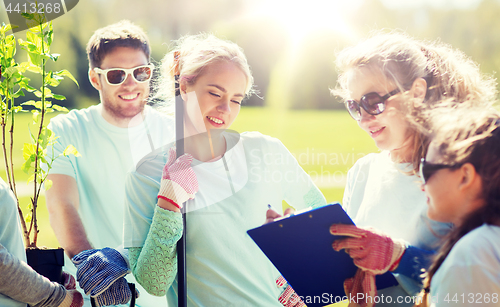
62	204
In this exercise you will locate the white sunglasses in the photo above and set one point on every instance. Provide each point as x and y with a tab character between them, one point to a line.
116	76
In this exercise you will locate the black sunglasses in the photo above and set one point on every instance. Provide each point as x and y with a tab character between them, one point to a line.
116	76
428	169
372	103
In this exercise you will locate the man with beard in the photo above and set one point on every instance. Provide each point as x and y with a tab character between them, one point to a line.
86	200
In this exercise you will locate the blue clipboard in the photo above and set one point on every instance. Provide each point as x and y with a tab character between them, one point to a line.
300	247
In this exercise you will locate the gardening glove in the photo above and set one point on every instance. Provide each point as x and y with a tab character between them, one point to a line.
69	281
73	298
362	282
98	269
288	297
372	251
178	181
118	293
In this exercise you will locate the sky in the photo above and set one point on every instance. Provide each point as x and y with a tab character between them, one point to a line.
457	4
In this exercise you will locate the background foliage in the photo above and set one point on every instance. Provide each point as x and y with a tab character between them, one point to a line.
289	74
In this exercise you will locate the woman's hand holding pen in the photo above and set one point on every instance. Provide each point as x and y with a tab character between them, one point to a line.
271	215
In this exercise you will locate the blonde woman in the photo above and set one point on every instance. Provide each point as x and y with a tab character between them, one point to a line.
226	180
387	81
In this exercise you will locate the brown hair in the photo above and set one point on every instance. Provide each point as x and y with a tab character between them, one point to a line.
468	135
449	73
121	34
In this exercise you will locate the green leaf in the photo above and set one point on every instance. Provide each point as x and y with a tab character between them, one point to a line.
54	56
36	59
60	108
48	93
39	179
44	137
53	80
11	71
36	116
19	93
10	46
48	184
28	103
33	38
43	160
26	86
36	104
29	150
66	73
71	150
28	16
17	109
7	28
26	168
34	69
52	136
50	37
58	97
33	23
30	47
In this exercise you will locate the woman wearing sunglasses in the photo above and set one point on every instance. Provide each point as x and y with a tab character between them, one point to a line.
223	183
387	81
461	178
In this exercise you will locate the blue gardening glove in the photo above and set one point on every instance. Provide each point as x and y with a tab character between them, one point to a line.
118	293
98	269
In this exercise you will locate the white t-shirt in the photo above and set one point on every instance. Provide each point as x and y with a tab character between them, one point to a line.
470	275
107	154
10	233
224	266
379	194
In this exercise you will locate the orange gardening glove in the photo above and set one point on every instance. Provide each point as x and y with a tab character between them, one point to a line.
73	298
288	297
361	288
373	252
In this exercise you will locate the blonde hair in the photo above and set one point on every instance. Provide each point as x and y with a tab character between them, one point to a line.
468	135
186	62
449	73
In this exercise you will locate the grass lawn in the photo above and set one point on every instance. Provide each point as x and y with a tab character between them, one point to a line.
325	143
326	140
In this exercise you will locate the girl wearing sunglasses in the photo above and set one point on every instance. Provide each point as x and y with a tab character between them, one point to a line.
387	81
223	183
461	178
